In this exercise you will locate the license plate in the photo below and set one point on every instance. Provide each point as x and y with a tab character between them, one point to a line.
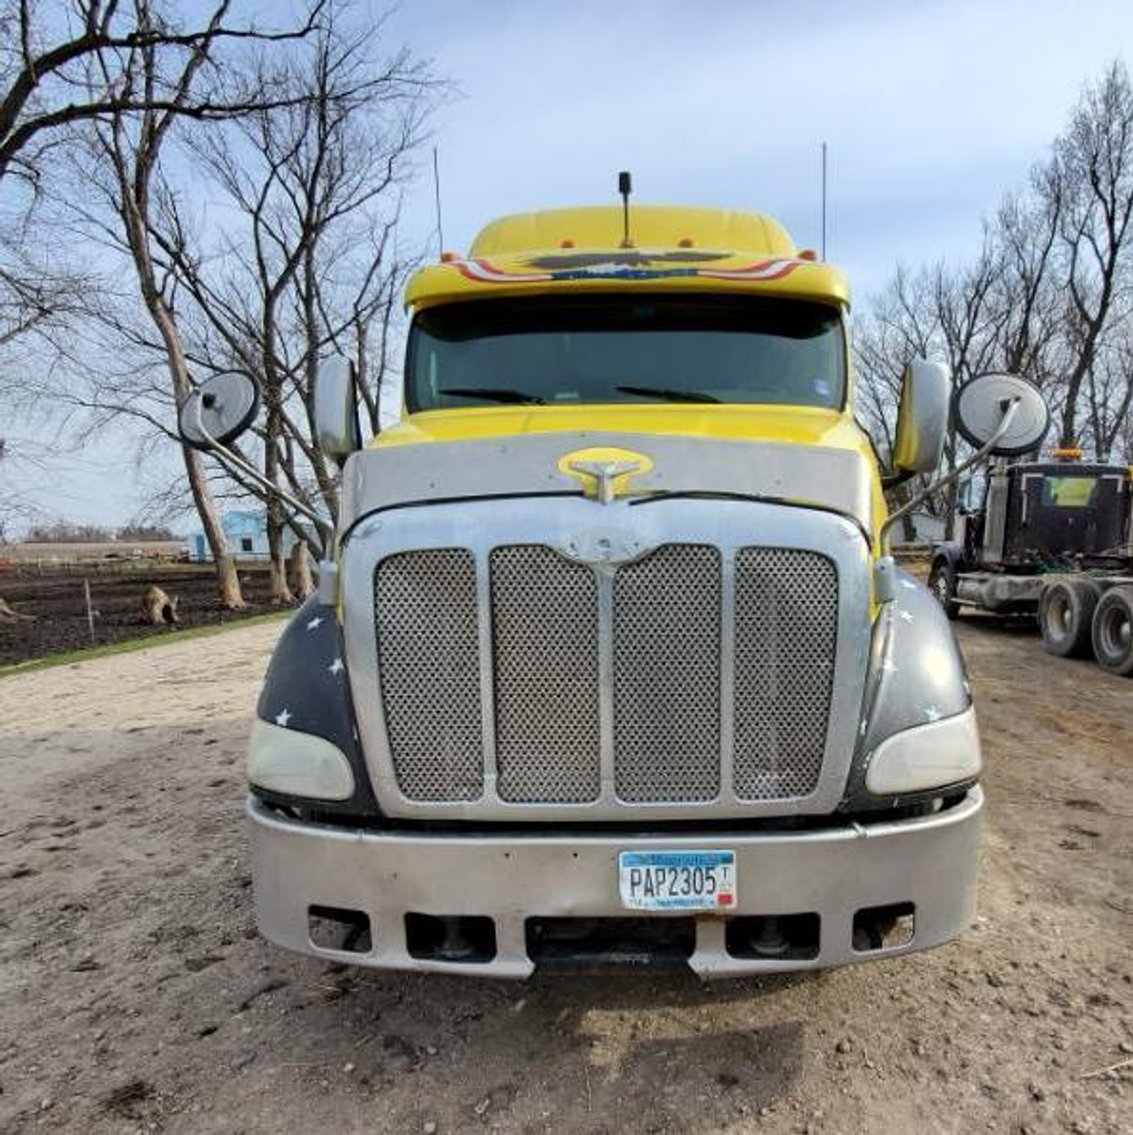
677	880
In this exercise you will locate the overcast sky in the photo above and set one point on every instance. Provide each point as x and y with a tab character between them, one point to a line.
930	111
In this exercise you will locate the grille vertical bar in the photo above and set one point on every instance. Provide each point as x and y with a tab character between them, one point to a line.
429	662
667	675
545	643
785	636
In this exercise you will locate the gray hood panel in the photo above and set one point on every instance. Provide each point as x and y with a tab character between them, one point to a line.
836	480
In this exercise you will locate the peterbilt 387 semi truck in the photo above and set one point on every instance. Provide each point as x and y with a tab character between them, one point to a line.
609	663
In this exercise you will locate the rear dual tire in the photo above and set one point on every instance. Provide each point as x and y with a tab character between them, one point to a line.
942	583
1112	629
1066	613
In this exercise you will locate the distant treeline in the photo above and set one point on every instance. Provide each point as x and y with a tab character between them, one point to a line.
65	533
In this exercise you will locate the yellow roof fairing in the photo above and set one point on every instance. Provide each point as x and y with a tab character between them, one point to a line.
703	250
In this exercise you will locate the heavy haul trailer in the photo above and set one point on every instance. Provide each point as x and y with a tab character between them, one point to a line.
608	661
1052	540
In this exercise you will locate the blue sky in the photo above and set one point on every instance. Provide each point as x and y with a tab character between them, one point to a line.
930	110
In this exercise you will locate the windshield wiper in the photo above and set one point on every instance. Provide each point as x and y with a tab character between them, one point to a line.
494	394
668	395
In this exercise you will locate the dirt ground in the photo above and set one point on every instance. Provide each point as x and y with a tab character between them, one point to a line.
135	994
57	603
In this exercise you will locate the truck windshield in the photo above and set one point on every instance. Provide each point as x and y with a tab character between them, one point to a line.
555	350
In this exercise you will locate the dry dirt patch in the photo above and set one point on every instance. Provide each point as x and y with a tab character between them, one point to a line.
135	994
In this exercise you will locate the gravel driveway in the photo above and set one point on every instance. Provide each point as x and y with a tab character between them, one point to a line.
135	994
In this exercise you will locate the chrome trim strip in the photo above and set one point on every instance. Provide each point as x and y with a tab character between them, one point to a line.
487	685
727	675
608	796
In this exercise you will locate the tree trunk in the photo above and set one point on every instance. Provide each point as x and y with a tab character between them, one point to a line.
302	585
280	592
134	206
227	579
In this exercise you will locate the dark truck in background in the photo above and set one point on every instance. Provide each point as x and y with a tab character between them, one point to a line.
1055	540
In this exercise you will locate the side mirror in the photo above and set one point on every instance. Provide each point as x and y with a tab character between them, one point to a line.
219	410
922	417
979	407
336	410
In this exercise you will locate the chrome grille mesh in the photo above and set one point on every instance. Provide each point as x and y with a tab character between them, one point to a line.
429	661
607	686
785	635
545	642
667	675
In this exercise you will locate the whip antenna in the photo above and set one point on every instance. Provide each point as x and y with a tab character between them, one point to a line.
823	200
437	194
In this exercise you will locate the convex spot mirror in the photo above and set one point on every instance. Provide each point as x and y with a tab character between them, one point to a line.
979	407
922	417
219	410
336	409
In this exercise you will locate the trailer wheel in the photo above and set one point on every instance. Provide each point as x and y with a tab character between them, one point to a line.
942	583
1066	611
1113	631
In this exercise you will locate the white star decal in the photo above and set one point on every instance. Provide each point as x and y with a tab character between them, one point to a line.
283	717
905	616
932	713
336	667
317	621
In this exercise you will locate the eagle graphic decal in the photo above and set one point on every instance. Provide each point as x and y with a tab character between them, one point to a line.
630	264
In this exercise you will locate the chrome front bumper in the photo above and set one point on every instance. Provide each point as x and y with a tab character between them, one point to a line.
929	862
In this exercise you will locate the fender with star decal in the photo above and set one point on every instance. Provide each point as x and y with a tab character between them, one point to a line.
306	690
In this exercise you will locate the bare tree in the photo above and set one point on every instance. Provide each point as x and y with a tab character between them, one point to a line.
1091	172
312	264
128	143
62	64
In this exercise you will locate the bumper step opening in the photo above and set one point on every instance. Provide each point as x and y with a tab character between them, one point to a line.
336	928
450	938
792	937
581	944
883	927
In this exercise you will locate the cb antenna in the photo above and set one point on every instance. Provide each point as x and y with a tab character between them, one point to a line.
437	195
823	200
625	188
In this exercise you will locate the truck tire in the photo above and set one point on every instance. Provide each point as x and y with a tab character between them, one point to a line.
942	583
1113	631
1066	611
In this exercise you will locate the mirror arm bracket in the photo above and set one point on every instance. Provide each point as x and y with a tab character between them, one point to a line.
232	462
945	481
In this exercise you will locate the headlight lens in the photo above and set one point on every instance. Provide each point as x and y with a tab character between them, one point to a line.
298	764
927	756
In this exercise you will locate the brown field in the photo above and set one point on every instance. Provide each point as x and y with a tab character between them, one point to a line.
56	600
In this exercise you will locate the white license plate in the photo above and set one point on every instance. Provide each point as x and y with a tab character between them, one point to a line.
677	880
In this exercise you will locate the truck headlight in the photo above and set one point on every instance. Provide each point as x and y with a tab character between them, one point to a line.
927	756
297	764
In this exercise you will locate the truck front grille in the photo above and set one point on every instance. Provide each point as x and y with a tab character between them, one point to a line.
786	624
545	646
667	676
686	676
429	657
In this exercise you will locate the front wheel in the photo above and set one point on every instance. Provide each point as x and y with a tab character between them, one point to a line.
1113	631
942	583
1066	611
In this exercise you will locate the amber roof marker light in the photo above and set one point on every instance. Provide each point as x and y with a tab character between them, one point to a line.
625	188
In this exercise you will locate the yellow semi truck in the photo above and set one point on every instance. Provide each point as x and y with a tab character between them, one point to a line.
609	664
